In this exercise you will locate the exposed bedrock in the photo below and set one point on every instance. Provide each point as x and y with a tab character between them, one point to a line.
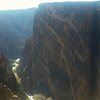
8	83
62	58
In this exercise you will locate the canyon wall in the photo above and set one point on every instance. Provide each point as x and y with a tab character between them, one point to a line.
15	27
61	59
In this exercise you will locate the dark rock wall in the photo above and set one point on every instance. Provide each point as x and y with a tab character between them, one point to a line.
61	59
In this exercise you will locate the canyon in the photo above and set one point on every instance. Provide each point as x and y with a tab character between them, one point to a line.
60	60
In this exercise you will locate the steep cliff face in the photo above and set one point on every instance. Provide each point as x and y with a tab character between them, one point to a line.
62	57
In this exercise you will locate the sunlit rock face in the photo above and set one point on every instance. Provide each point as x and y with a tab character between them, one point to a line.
61	59
8	84
40	97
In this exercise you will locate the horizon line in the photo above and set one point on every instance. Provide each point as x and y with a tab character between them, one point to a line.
36	6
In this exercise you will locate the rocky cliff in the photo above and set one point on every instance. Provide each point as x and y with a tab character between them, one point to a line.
8	83
61	59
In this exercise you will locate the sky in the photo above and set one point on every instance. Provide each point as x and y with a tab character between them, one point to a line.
23	4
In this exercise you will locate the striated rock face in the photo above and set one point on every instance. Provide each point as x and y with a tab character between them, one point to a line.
61	59
8	80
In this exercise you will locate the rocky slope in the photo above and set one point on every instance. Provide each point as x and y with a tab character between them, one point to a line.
6	93
15	28
8	83
61	59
